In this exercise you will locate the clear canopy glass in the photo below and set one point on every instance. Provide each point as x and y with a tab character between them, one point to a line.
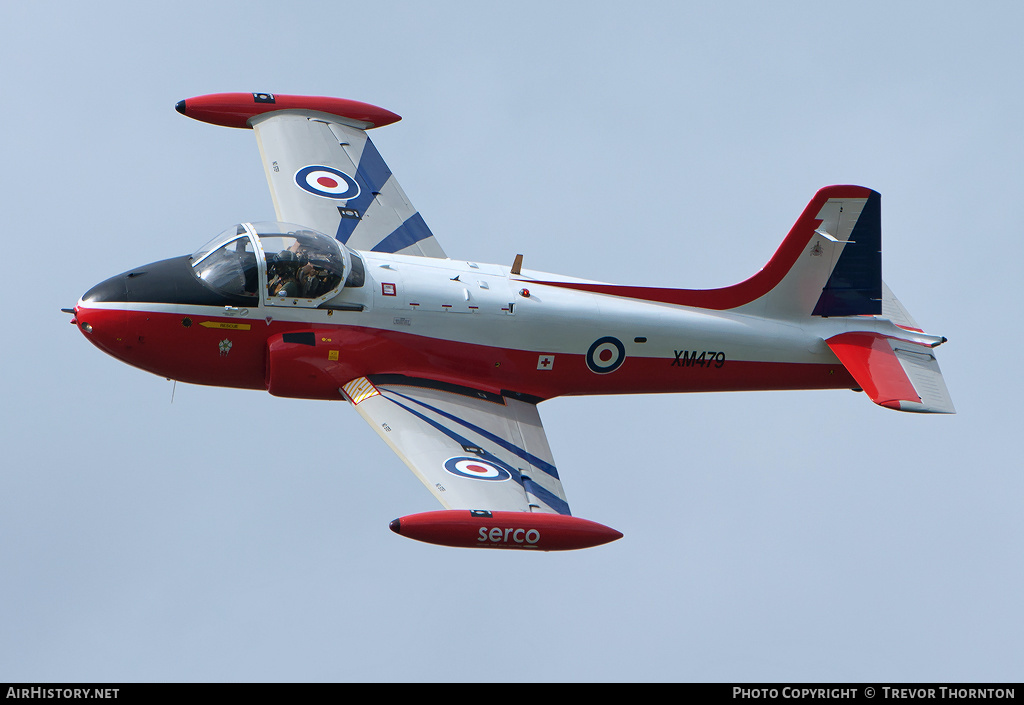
228	263
292	265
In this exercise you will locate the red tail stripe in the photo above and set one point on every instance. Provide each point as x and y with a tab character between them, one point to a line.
746	291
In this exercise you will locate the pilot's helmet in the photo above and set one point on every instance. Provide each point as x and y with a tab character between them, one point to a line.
283	261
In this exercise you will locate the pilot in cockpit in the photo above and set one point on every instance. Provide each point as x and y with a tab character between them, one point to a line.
314	278
282	275
313	269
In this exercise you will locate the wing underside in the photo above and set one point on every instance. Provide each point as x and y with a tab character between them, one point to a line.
471	449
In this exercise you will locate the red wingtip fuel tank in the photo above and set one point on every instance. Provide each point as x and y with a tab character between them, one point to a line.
464	528
238	109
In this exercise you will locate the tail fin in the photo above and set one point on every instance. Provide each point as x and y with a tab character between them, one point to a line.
896	371
894	311
839	269
830	264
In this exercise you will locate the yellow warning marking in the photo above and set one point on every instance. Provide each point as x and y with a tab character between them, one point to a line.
225	326
360	390
332	355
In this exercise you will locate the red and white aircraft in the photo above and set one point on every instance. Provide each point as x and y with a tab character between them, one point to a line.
350	297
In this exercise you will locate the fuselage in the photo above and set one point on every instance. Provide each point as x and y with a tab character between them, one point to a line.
457	322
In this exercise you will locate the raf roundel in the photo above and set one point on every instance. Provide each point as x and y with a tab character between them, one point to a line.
326	182
476	469
605	355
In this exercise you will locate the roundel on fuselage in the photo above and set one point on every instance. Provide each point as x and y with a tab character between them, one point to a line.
605	355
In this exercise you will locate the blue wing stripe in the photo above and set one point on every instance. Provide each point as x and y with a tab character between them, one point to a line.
516	475
497	440
372	168
553	501
550	499
408	233
372	173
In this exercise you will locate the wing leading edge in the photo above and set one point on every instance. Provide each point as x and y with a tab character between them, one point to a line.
471	449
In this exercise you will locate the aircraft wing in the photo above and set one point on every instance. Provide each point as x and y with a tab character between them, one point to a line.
472	449
329	176
324	171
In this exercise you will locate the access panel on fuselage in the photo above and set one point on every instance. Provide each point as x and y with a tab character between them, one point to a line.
420	285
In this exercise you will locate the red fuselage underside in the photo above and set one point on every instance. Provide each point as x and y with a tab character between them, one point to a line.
251	354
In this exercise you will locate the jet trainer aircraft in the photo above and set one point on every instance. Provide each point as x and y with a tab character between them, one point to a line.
350	297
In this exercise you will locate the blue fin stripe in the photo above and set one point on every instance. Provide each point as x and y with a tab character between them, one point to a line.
855	285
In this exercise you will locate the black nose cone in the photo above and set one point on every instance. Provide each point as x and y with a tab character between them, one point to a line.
169	281
113	289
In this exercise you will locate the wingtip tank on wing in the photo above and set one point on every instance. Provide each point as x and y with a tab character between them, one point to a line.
463	528
310	146
239	109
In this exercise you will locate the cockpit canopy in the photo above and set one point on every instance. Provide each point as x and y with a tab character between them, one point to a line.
286	264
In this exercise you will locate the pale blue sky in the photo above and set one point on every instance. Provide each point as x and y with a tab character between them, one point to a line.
775	536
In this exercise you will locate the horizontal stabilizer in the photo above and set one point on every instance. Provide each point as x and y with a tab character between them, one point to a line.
895	373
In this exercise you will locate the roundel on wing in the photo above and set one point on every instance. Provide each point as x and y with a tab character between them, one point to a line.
605	355
326	182
476	469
